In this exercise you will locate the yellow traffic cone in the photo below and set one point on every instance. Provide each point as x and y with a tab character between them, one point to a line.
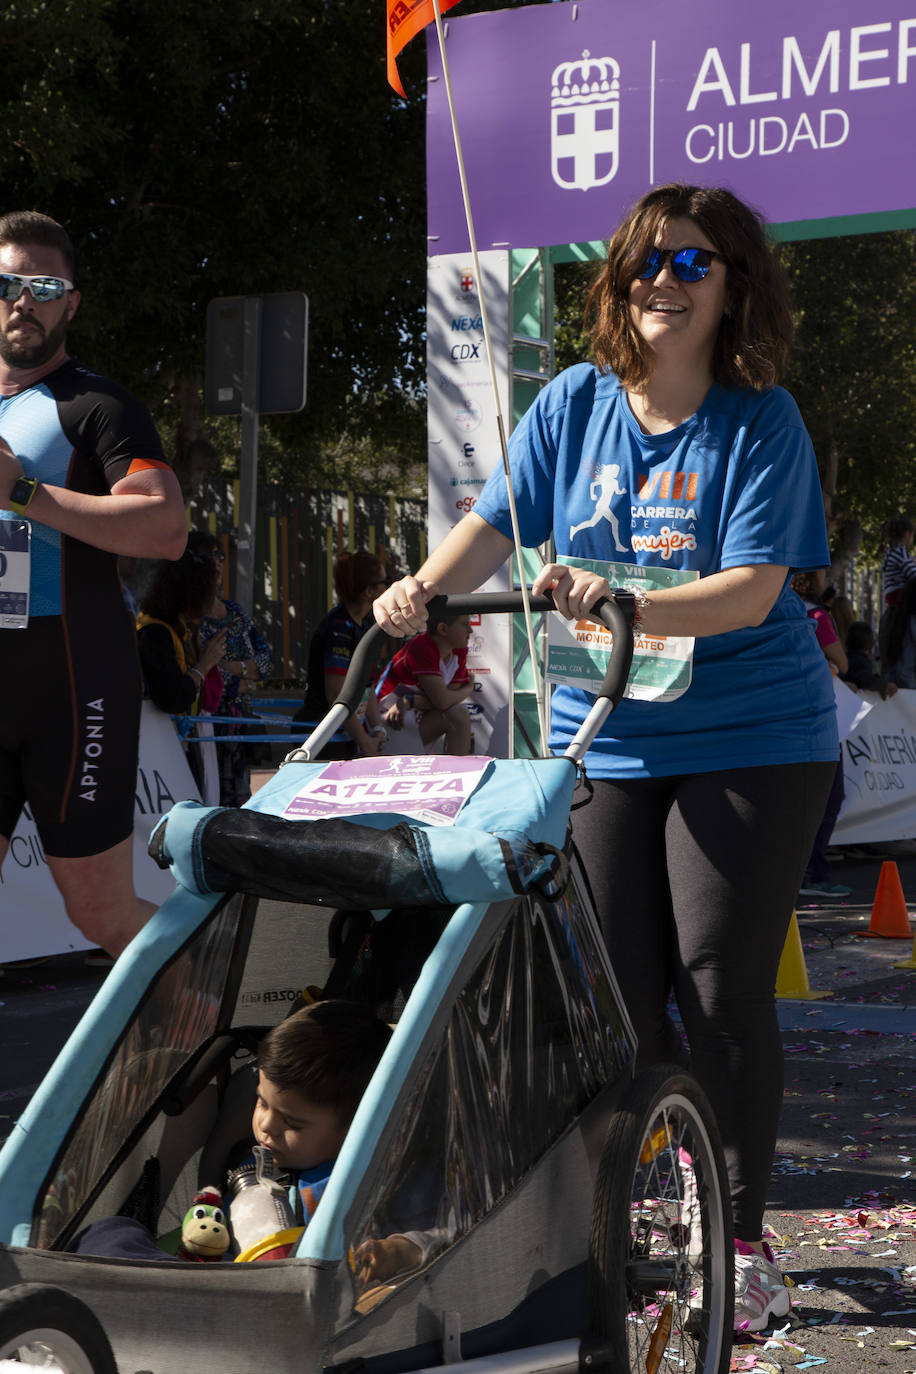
792	975
908	963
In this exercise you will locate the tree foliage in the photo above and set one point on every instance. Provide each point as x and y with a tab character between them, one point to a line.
853	373
231	148
852	370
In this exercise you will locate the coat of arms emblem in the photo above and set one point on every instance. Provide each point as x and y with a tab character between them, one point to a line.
584	122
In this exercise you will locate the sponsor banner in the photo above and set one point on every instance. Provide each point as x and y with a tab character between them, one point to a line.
579	651
34	920
464	447
879	766
569	112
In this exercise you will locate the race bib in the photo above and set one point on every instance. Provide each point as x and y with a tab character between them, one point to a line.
579	650
15	556
430	787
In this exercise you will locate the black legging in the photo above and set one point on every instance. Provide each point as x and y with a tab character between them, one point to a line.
695	879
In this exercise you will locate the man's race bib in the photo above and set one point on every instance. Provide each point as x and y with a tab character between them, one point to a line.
15	555
579	650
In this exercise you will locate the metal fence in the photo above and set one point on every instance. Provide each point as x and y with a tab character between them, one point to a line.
300	531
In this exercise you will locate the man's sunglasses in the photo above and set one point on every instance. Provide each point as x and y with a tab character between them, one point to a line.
42	288
687	264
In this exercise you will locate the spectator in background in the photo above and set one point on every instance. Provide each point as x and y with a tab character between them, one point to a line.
182	677
247	659
843	613
860	657
358	579
816	882
898	566
430	675
897	637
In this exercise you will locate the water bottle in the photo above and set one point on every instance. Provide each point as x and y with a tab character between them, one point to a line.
259	1212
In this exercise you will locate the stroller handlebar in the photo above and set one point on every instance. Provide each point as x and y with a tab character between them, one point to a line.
614	612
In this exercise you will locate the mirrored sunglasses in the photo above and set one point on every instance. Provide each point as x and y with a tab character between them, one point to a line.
687	264
42	288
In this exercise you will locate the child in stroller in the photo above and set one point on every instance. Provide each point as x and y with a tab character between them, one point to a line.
305	1085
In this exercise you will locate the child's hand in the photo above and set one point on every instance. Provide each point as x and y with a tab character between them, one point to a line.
381	1259
374	1261
394	716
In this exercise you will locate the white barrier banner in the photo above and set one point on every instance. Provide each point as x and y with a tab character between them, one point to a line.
878	742
34	921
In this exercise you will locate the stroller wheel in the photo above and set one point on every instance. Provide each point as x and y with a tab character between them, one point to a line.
661	1256
45	1326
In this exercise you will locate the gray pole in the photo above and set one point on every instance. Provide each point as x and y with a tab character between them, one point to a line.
248	459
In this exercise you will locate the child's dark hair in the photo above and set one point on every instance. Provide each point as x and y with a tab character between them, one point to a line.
181	589
860	637
441	613
327	1052
897	528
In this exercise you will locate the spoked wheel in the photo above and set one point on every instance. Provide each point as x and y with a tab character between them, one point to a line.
49	1329
661	1256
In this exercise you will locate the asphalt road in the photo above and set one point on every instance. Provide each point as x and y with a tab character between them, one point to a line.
842	1202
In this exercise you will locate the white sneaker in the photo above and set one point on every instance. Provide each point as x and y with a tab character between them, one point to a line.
760	1293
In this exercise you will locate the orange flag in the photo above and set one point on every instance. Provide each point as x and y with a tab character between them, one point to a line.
405	19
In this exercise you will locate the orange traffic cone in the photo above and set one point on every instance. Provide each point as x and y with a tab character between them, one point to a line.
889	916
792	975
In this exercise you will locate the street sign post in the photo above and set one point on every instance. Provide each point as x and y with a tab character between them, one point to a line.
256	364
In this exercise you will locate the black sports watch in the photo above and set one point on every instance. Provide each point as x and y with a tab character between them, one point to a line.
24	488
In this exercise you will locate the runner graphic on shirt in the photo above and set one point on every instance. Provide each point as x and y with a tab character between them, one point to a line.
602	491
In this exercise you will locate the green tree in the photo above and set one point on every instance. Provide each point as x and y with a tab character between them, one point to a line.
853	373
231	148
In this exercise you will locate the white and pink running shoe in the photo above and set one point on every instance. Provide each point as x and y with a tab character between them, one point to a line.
760	1293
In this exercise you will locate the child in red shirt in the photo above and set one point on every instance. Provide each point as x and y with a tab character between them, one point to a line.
431	674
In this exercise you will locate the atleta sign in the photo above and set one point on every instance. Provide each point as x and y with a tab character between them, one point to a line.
568	112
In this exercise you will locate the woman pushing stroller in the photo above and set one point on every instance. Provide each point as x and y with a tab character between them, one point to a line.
677	449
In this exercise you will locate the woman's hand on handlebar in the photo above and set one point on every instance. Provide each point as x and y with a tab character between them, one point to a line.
401	609
574	590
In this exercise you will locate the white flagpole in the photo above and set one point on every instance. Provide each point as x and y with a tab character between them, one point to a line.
516	538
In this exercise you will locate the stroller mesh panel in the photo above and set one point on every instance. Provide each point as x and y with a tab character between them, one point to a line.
180	1013
532	1039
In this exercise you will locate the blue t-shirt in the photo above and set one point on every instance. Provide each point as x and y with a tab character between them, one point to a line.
735	485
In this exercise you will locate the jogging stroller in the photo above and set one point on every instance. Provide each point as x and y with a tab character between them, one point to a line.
576	1214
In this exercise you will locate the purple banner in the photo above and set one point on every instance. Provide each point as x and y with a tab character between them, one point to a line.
569	112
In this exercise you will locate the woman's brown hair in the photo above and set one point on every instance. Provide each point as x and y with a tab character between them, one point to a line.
756	331
355	572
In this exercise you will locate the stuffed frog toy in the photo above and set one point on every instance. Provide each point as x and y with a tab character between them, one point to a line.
204	1233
